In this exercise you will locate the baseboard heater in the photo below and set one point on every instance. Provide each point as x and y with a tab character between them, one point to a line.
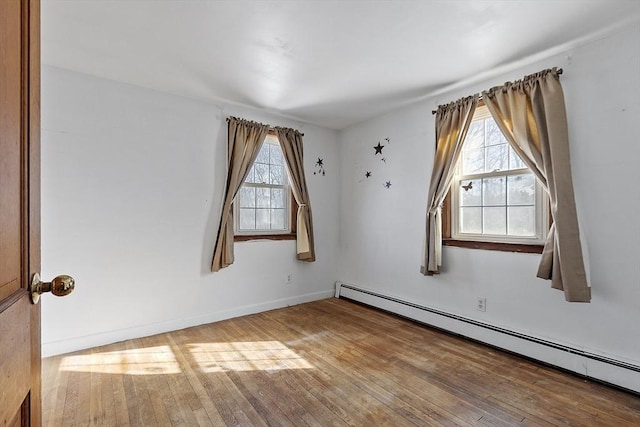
592	365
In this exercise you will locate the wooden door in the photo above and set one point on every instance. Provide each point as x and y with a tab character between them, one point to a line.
19	211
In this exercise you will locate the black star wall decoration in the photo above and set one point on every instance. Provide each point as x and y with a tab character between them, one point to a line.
319	167
378	149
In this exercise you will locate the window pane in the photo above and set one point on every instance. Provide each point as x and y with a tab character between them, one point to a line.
276	155
475	135
262	198
514	160
494	134
252	175
521	189
472	161
522	221
263	155
471	220
247	219
247	197
277	198
494	191
497	158
264	205
262	219
495	220
494	202
276	175
277	219
262	173
471	192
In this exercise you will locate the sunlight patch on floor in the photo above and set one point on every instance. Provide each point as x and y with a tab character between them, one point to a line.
158	360
246	356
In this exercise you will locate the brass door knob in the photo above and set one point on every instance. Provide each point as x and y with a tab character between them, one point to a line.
60	286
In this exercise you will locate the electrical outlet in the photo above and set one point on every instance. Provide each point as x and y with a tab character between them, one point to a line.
289	278
481	304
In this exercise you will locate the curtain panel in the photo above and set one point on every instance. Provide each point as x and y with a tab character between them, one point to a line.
531	114
244	139
291	143
452	123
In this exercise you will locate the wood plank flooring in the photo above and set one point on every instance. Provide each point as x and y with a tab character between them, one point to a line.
326	363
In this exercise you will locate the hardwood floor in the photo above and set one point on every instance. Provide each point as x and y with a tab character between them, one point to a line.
326	363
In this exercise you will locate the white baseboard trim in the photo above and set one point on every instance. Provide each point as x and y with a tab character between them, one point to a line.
80	343
608	369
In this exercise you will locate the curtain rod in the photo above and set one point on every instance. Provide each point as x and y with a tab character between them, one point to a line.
559	72
272	129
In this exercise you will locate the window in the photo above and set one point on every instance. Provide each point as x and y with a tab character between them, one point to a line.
263	207
494	196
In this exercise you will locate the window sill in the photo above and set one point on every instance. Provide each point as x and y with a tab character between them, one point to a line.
246	238
493	246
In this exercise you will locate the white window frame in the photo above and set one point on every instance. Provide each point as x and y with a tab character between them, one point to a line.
270	139
541	203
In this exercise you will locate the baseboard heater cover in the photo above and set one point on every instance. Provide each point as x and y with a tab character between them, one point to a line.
606	369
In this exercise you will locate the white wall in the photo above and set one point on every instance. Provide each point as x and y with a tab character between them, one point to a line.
381	230
132	183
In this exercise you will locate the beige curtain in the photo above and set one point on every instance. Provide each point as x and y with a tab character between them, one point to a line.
244	139
452	123
531	114
291	142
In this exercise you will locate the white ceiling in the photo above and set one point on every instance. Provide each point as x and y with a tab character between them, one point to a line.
331	63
